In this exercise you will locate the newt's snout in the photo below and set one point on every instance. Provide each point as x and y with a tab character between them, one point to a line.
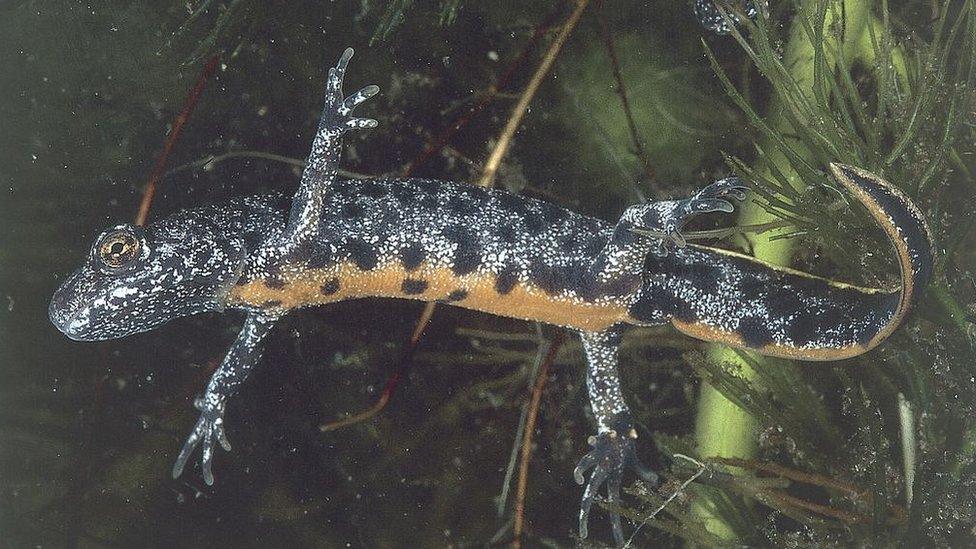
66	312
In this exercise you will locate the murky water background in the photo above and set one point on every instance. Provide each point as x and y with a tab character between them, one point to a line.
89	431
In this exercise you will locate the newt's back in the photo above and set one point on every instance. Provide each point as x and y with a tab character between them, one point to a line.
438	241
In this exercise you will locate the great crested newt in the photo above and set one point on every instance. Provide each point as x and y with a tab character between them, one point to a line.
486	250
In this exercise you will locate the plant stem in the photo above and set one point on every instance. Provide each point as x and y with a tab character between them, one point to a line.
722	428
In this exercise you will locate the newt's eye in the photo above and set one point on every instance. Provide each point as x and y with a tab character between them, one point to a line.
118	248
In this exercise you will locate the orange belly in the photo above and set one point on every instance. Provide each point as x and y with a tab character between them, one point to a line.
309	287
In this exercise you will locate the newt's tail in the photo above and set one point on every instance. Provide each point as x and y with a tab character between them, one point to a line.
905	226
730	298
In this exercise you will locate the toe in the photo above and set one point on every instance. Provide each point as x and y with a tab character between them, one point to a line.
707	205
585	464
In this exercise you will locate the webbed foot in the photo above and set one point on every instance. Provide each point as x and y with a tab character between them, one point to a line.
665	220
336	115
210	430
612	454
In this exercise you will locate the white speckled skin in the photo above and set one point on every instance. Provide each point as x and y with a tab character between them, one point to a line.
567	265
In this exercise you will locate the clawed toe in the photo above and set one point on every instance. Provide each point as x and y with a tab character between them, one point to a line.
338	110
664	220
356	99
611	455
730	186
209	430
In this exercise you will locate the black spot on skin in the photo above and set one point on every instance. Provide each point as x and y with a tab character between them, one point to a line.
459	234
506	232
330	287
429	186
600	264
802	329
622	235
754	332
544	277
274	283
372	189
462	205
244	279
593	245
352	210
571	277
413	286
567	243
390	218
701	276
412	255
621	286
684	312
271	303
506	280
552	214
301	253
511	202
752	289
320	257
457	295
362	253
467	258
429	203
404	194
657	304
783	301
534	224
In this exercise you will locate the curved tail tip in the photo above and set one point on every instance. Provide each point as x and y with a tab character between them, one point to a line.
900	219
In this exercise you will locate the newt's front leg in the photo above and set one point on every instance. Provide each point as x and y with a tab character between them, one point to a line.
613	446
323	160
244	354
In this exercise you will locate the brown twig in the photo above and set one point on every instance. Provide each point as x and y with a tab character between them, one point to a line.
848	489
523	478
786	500
812	479
403	365
442	139
159	167
394	381
621	89
505	139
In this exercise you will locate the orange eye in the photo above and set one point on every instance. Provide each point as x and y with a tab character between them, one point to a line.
118	248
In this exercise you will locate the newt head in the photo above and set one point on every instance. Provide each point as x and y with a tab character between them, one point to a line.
136	278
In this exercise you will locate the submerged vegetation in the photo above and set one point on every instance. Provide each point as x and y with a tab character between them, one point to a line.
639	104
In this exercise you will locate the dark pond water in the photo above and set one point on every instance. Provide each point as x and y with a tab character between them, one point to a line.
89	431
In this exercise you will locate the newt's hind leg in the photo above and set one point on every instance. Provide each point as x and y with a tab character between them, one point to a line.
665	219
613	446
323	160
654	227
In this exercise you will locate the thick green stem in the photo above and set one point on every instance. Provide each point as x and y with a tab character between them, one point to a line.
722	428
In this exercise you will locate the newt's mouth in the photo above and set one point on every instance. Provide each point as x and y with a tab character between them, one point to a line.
72	326
66	312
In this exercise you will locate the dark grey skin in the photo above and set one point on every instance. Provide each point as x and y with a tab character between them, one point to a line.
136	279
640	269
